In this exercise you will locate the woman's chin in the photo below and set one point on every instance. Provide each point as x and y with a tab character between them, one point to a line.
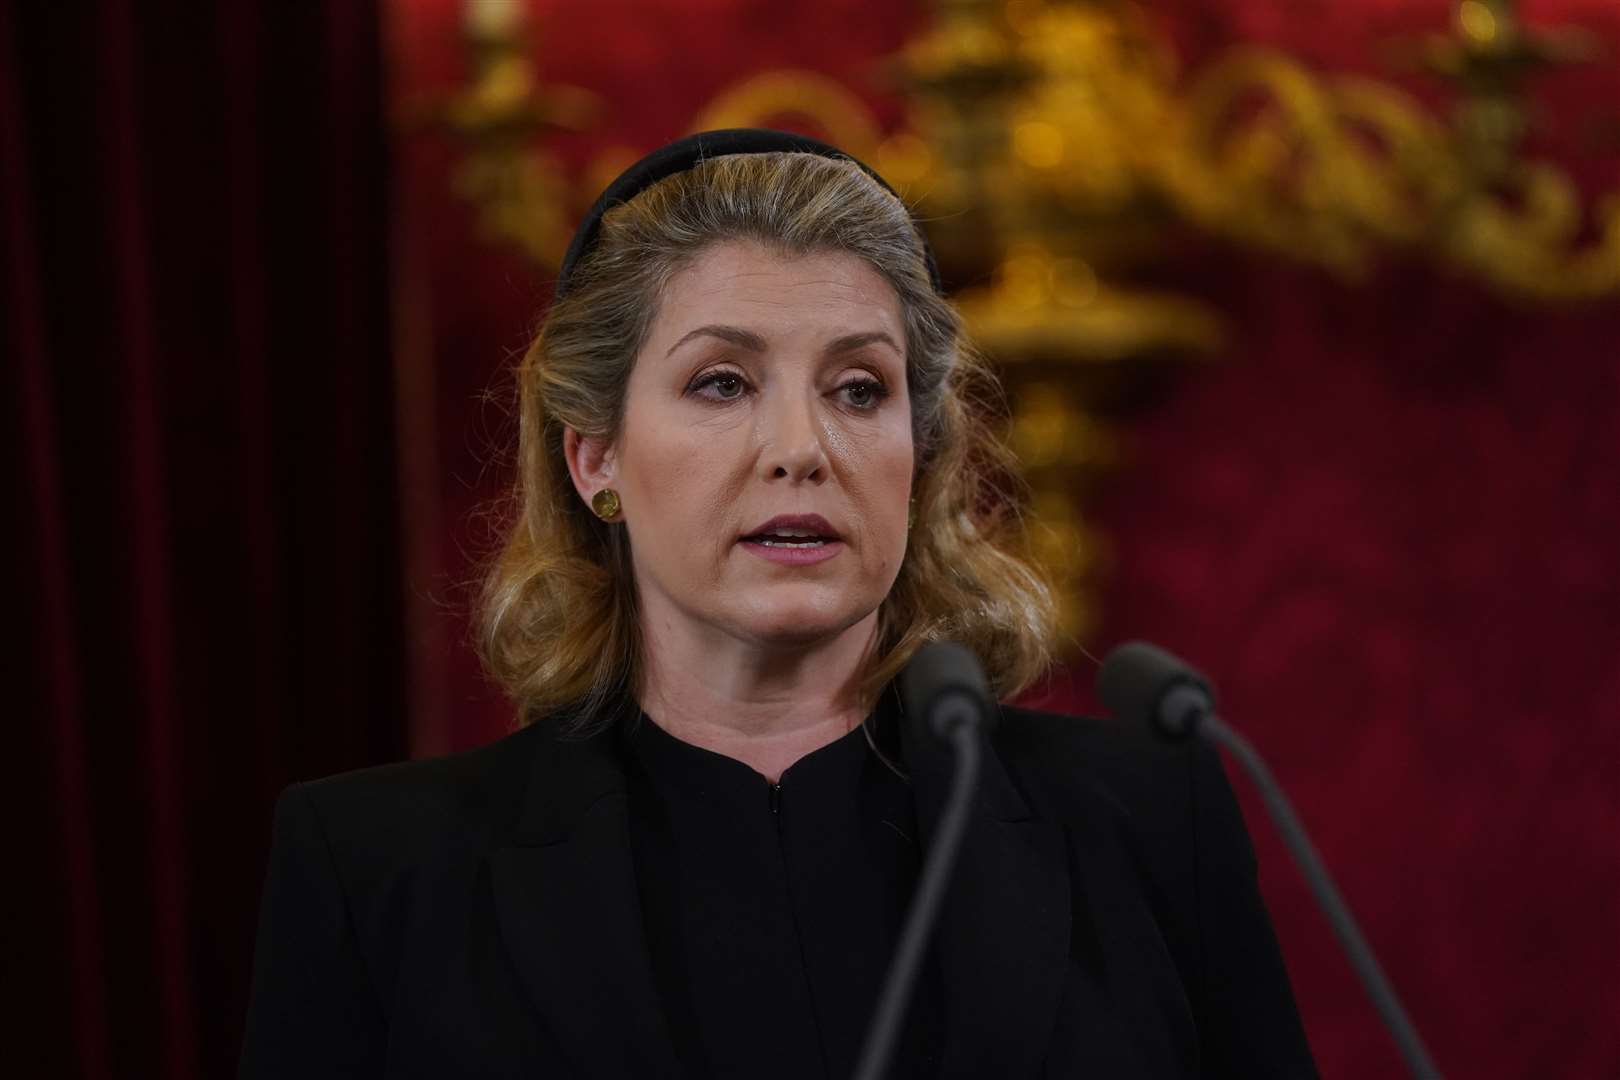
801	622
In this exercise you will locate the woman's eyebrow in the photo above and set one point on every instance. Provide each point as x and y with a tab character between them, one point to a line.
736	335
851	342
747	339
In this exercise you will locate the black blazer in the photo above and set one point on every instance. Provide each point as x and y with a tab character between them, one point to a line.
477	916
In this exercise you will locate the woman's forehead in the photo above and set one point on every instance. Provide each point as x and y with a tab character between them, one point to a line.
760	293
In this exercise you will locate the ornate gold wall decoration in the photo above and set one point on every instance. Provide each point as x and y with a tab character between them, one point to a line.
1340	171
521	195
1065	118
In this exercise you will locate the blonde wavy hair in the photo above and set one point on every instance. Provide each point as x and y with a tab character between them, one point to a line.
557	619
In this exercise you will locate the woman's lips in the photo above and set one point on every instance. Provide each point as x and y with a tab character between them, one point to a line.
794	540
812	524
793	554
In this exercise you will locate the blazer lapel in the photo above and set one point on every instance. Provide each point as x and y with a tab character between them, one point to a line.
566	898
1142	1019
1003	937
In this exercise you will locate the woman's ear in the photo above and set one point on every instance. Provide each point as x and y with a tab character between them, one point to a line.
591	462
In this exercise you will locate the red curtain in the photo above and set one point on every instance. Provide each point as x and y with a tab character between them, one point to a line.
200	433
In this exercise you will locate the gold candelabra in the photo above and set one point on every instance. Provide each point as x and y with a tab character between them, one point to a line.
500	118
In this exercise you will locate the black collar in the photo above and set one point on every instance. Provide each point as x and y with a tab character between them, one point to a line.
569	910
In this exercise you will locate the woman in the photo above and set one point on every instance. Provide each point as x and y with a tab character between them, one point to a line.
753	482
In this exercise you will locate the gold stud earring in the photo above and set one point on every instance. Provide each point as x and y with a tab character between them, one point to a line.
605	504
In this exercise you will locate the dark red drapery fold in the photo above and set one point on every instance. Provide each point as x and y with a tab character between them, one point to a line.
64	855
203	444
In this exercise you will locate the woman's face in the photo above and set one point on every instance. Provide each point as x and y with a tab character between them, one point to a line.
765	459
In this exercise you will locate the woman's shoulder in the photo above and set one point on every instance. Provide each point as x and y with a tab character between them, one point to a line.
1088	748
405	808
1067	763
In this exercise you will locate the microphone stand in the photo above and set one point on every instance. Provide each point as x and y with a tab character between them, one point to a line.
908	955
1333	906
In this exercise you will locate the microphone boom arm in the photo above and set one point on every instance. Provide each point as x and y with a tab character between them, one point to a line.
1333	906
885	1027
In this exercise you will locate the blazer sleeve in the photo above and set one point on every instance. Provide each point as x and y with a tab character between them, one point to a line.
313	1012
1250	1026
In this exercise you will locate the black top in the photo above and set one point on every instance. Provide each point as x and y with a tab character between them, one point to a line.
771	910
480	915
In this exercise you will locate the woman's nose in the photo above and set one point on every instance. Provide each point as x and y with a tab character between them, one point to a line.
793	449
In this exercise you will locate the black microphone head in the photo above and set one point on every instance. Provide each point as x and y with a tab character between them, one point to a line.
943	670
1144	684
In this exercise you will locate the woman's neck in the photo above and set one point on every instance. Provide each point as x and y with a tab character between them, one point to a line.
765	707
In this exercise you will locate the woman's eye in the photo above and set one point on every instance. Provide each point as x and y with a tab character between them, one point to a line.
721	385
863	394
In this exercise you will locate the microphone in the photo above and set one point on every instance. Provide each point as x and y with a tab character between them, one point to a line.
945	692
944	687
1145	684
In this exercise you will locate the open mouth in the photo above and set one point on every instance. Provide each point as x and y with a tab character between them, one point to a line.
793	539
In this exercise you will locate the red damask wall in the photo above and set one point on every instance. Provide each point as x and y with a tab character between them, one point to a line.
1386	526
1384	520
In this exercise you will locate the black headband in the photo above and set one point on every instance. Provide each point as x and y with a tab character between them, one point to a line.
681	155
